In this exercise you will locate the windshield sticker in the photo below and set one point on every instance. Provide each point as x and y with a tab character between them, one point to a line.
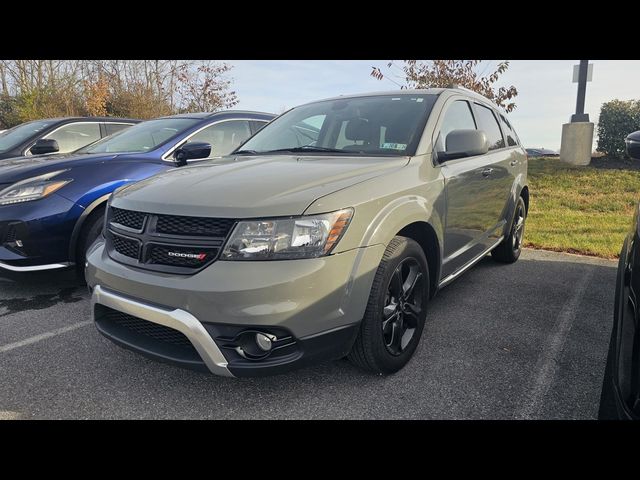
395	146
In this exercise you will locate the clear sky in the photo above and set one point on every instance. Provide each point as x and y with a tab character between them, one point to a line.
546	96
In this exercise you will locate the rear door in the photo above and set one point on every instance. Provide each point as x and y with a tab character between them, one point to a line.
498	174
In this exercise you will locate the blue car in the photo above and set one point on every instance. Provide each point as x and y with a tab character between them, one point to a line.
52	208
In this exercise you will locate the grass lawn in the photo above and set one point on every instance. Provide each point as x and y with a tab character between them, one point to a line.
582	210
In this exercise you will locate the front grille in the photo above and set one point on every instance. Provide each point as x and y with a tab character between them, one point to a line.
165	243
143	327
194	226
126	246
160	254
127	218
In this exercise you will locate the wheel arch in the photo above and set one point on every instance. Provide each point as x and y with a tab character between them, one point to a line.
75	234
425	235
416	218
524	193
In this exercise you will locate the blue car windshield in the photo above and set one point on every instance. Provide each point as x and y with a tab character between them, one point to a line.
16	135
143	137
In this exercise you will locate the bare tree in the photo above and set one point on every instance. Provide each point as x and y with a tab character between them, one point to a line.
134	88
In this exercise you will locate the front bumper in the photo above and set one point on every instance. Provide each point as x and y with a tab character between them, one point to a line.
36	235
311	307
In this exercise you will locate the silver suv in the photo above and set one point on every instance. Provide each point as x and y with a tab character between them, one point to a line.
325	235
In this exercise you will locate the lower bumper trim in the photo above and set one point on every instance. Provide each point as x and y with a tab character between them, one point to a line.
177	319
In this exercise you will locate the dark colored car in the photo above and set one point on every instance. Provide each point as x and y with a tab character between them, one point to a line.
621	386
51	208
541	152
58	135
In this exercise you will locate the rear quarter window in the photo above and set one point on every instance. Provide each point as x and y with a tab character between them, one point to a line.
487	121
512	138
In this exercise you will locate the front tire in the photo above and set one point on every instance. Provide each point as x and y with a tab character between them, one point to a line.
509	249
396	309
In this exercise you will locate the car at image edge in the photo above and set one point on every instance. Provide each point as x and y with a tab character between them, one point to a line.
541	152
52	208
325	235
620	398
58	135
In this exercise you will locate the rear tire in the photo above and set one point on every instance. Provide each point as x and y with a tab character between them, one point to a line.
91	230
509	249
396	310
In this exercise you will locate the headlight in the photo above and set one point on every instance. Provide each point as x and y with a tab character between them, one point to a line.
32	188
287	238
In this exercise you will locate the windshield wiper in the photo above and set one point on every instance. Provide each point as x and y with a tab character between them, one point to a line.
310	148
245	152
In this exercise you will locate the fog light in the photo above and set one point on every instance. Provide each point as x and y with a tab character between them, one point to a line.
254	345
19	243
264	342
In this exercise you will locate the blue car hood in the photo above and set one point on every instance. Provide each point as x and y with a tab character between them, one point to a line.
21	168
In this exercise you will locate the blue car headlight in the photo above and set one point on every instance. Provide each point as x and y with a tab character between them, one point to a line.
33	188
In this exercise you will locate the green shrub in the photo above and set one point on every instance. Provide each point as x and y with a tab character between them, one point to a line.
618	119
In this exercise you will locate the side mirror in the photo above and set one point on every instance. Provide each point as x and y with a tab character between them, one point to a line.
465	143
45	145
191	151
633	145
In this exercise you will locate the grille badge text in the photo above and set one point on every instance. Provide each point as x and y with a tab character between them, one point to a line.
196	256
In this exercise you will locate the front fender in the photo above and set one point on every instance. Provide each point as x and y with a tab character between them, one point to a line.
399	213
94	199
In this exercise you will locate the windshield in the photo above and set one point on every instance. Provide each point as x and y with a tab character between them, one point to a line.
16	135
142	137
376	125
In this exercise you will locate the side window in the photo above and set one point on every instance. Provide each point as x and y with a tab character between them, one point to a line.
457	117
487	122
512	139
256	125
224	137
75	135
112	128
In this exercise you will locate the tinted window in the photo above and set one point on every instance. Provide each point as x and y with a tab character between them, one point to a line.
487	122
142	137
223	137
112	128
15	136
256	125
457	117
73	136
512	140
375	125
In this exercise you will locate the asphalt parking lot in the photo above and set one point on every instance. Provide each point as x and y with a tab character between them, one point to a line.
523	341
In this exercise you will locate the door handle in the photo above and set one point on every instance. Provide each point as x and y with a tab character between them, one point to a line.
513	163
487	171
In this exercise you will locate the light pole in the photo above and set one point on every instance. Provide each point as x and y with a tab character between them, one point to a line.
580	116
577	136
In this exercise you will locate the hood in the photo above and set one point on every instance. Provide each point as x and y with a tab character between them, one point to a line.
259	186
21	168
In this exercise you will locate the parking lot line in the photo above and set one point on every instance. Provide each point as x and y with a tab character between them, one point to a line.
550	355
43	336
